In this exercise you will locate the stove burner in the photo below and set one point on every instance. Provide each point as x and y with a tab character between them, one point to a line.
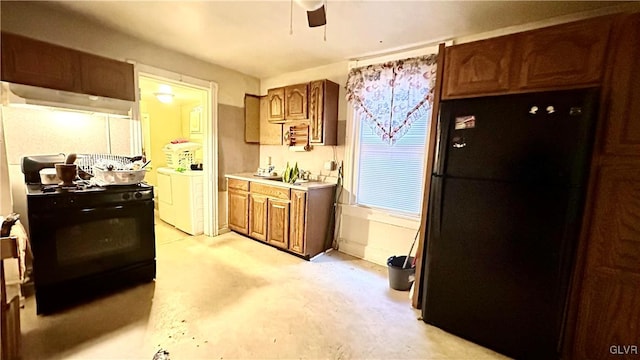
77	186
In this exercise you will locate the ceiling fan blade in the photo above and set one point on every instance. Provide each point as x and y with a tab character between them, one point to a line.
317	17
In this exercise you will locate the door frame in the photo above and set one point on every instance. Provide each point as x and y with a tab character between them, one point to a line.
210	129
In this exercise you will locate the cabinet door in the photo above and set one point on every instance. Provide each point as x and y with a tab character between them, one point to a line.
622	122
238	202
258	216
31	62
278	226
478	68
107	77
316	111
297	226
251	118
564	55
276	104
609	302
270	133
296	102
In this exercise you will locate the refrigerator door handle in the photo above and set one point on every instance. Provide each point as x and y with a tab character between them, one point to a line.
442	138
435	222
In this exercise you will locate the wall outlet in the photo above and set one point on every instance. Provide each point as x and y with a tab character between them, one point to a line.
330	165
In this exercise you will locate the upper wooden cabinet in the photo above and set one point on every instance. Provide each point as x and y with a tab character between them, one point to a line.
275	98
323	112
106	77
295	102
569	54
623	91
33	62
37	63
479	67
314	104
252	118
558	57
257	127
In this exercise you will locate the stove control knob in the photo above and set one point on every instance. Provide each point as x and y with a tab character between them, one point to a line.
126	196
138	195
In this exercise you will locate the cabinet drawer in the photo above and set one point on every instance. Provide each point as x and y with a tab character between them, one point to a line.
238	184
273	191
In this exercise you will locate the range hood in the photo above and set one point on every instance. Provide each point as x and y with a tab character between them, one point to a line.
18	94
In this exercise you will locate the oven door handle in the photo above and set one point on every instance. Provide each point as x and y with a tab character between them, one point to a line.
118	207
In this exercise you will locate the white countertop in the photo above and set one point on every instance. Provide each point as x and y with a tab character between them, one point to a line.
298	186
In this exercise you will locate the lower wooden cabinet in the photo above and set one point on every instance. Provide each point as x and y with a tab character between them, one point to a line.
278	223
238	202
258	213
298	220
609	299
295	220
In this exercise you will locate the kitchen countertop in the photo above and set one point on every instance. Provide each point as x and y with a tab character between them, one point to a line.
298	186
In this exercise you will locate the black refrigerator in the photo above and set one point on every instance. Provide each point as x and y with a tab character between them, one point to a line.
505	212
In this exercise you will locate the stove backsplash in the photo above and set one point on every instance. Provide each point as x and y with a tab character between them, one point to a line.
36	131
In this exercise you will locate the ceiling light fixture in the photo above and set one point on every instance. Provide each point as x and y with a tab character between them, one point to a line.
164	94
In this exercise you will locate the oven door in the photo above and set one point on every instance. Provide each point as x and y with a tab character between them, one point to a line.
70	243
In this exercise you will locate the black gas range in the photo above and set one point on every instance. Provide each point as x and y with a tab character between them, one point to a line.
85	193
87	239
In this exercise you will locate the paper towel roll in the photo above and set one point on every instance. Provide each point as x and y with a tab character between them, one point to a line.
299	148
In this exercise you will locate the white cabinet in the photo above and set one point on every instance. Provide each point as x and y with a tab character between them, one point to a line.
181	200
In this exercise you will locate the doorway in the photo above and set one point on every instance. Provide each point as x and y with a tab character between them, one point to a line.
179	129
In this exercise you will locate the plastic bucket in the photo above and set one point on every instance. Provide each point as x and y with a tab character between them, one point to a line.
399	278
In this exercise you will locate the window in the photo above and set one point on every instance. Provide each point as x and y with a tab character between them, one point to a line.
391	176
392	111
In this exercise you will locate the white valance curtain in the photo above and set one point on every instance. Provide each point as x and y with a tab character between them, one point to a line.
390	96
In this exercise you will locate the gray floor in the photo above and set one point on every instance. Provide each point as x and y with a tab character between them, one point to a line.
230	297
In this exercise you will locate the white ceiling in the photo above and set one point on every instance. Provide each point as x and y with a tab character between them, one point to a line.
253	36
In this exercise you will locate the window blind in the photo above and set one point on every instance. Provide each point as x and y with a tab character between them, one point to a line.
391	176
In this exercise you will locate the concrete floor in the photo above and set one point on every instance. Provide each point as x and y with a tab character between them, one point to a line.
230	297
